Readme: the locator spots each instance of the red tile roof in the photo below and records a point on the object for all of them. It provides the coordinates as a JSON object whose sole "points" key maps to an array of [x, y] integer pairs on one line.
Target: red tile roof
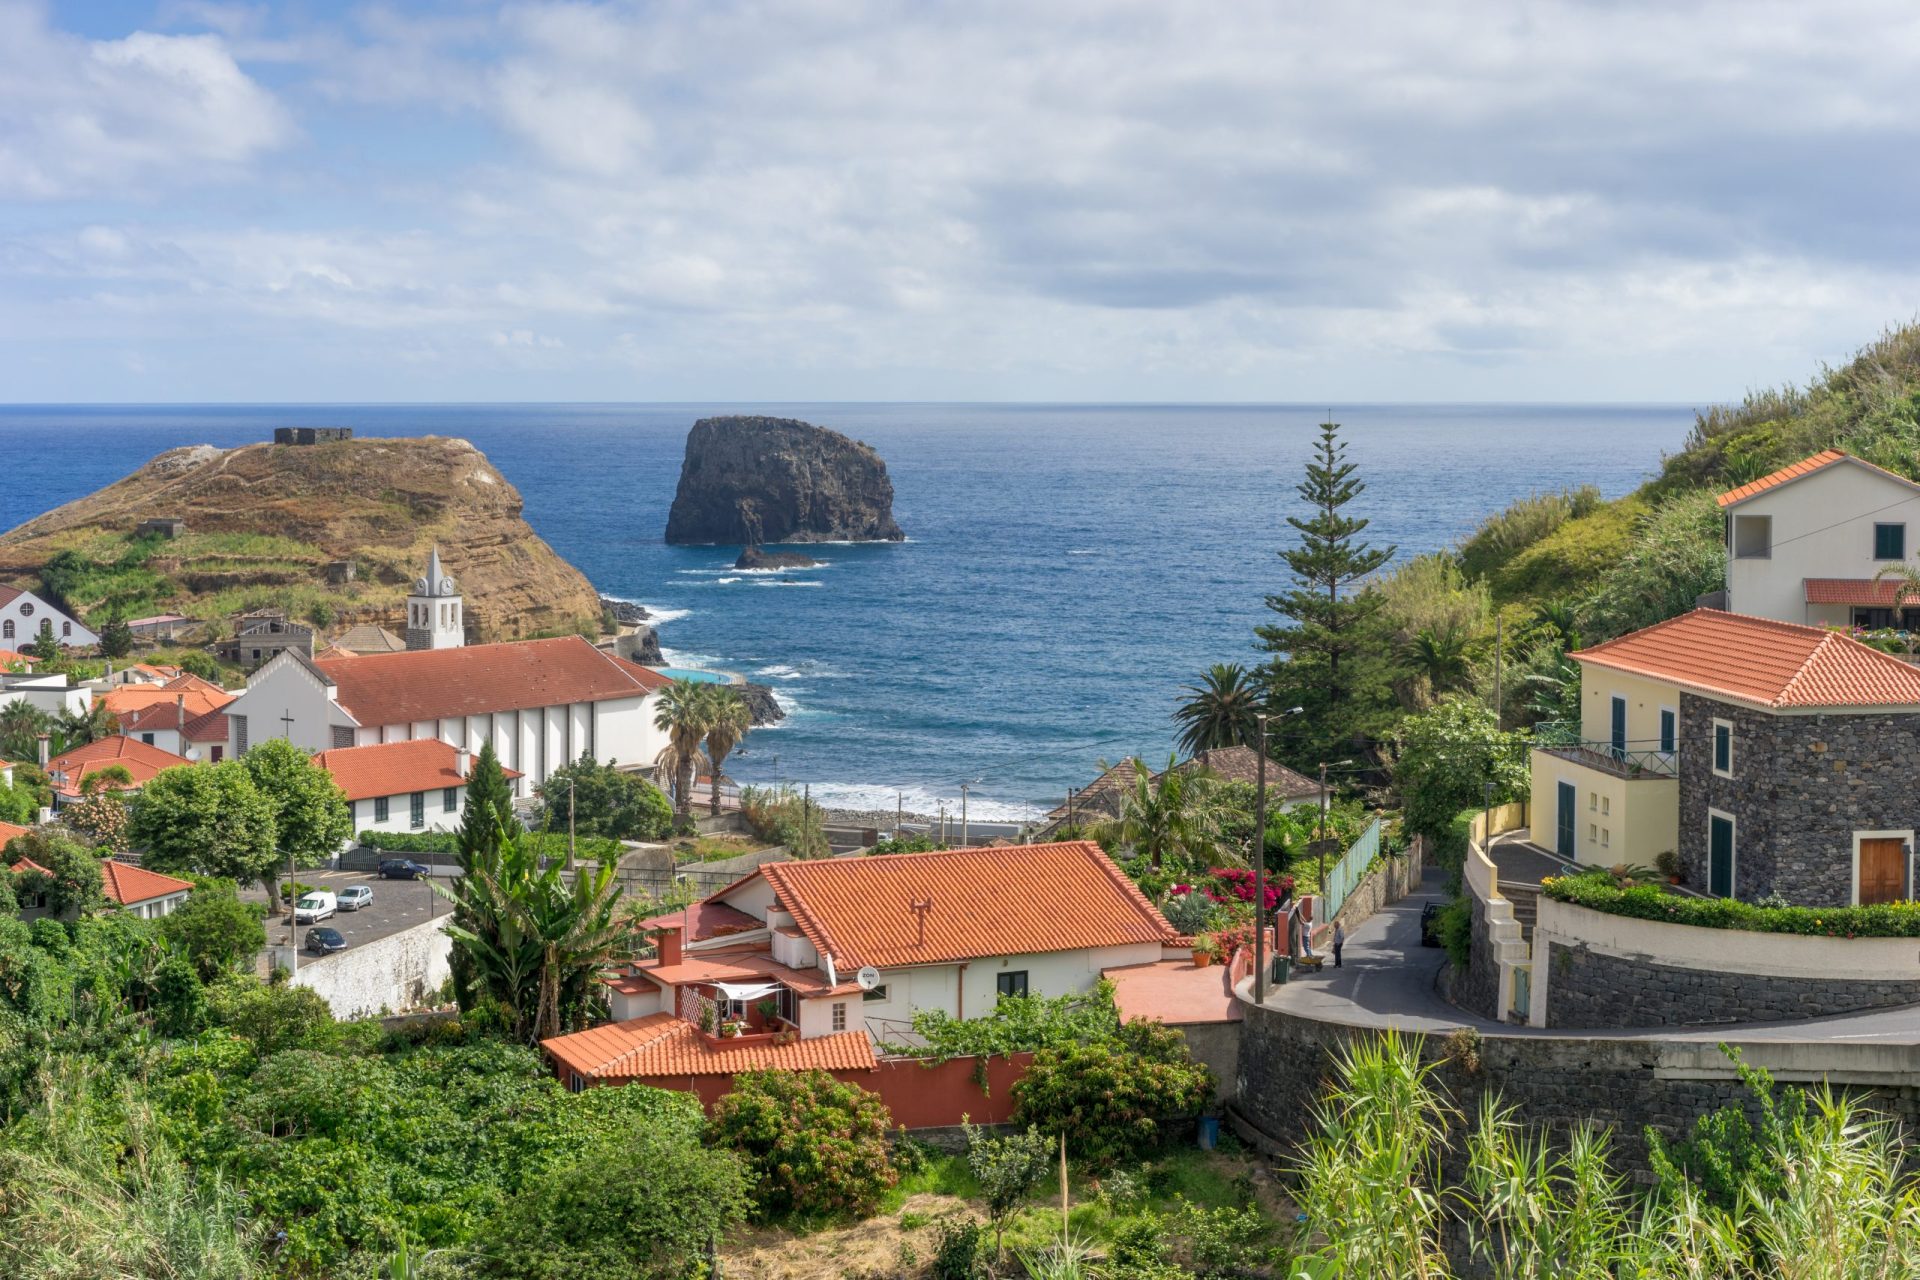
{"points": [[8, 658], [434, 684], [1861, 591], [748, 964], [1794, 471], [10, 831], [1174, 991], [1776, 665], [1012, 900], [129, 885], [704, 920], [1242, 764], [395, 768], [128, 700], [139, 760], [662, 1045]]}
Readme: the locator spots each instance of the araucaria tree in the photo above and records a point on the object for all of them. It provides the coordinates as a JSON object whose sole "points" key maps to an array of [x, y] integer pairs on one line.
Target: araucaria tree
{"points": [[1325, 645]]}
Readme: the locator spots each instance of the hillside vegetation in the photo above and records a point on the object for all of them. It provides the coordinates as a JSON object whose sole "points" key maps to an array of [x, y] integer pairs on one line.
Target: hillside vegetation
{"points": [[265, 521]]}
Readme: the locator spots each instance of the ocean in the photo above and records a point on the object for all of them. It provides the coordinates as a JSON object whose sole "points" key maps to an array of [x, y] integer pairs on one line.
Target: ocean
{"points": [[1068, 568]]}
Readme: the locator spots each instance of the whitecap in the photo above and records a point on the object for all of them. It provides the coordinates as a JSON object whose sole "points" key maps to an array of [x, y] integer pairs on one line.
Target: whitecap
{"points": [[784, 582], [726, 581], [921, 799], [1082, 551], [778, 671], [660, 617]]}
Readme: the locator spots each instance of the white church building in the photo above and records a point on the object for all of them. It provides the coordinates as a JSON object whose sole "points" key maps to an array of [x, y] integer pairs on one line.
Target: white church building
{"points": [[541, 703], [24, 614]]}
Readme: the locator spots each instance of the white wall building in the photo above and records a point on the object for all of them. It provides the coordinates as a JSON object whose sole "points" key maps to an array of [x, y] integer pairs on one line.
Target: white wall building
{"points": [[541, 703], [23, 613], [1804, 544], [419, 785]]}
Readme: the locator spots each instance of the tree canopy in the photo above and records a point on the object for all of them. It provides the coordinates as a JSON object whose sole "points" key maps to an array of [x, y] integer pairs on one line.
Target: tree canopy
{"points": [[606, 802], [311, 817], [208, 819]]}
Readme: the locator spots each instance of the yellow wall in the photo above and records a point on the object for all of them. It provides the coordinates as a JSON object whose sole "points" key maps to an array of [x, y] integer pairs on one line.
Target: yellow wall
{"points": [[1615, 819], [1645, 697]]}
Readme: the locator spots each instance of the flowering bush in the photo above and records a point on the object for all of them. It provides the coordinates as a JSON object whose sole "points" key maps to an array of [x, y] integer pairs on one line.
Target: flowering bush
{"points": [[1109, 1099], [1235, 884], [1649, 902]]}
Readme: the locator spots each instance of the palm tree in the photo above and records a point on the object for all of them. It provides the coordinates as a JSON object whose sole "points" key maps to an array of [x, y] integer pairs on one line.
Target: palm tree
{"points": [[1222, 710], [729, 723], [1172, 815], [683, 715], [1439, 657], [20, 728], [1906, 591], [78, 728], [1560, 617]]}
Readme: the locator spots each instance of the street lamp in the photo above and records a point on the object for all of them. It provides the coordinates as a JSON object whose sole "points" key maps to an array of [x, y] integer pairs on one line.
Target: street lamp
{"points": [[1260, 861]]}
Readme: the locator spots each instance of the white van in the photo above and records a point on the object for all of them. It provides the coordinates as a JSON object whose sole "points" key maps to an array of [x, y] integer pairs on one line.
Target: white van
{"points": [[317, 905]]}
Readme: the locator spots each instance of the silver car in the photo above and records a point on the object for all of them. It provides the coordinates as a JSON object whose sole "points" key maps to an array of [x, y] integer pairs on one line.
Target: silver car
{"points": [[355, 896]]}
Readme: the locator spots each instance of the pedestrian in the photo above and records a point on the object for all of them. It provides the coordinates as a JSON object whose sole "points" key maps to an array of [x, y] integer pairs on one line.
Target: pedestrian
{"points": [[1339, 940]]}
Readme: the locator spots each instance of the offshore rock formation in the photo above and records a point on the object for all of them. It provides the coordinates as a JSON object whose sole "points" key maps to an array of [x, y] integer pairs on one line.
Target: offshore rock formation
{"points": [[753, 480], [761, 558], [264, 523]]}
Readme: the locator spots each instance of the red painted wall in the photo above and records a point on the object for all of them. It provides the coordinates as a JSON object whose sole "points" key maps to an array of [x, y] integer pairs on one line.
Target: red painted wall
{"points": [[920, 1096]]}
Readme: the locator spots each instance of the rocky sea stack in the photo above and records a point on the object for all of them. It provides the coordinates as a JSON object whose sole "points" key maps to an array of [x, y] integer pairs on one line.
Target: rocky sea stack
{"points": [[752, 480], [761, 558]]}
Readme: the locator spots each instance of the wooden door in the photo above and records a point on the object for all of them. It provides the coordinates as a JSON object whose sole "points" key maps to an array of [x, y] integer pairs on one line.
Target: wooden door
{"points": [[1883, 870]]}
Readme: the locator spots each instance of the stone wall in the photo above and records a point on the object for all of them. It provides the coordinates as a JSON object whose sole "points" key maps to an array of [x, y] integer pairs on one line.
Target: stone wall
{"points": [[1592, 989], [392, 974], [1391, 880], [1802, 786], [1218, 1045], [1476, 988]]}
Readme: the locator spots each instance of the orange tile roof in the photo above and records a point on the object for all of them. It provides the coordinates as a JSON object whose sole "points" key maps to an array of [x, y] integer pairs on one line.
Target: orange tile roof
{"points": [[1794, 471], [139, 760], [746, 964], [1173, 991], [127, 884], [435, 684], [10, 831], [704, 920], [1861, 591], [1776, 665], [142, 699], [8, 657], [395, 768], [662, 1045], [1012, 900]]}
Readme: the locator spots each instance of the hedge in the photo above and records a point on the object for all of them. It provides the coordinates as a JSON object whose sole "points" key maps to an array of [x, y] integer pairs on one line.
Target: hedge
{"points": [[593, 848], [1649, 902]]}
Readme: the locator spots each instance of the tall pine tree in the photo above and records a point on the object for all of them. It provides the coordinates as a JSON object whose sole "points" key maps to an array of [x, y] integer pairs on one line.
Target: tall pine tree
{"points": [[486, 821], [1329, 644]]}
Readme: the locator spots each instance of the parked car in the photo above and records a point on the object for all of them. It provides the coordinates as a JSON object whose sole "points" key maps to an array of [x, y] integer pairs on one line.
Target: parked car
{"points": [[356, 896], [401, 869], [1430, 925], [326, 941], [317, 905]]}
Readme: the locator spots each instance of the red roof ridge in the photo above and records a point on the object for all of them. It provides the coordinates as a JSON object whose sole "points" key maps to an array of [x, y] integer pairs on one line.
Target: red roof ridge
{"points": [[1796, 470]]}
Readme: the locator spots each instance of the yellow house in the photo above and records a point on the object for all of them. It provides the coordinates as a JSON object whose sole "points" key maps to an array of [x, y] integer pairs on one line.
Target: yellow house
{"points": [[1612, 794]]}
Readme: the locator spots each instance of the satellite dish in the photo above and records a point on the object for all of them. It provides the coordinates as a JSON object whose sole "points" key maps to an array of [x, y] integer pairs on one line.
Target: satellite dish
{"points": [[868, 977]]}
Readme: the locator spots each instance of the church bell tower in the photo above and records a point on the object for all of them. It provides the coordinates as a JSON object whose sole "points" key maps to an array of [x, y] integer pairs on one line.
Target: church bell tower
{"points": [[434, 610]]}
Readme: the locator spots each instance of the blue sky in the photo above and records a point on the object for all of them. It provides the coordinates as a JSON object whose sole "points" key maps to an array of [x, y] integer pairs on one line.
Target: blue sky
{"points": [[987, 200]]}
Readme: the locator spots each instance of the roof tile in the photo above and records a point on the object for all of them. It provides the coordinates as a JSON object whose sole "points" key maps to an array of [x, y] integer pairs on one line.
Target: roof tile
{"points": [[661, 1044], [395, 768], [127, 884], [437, 684], [1795, 470], [139, 760]]}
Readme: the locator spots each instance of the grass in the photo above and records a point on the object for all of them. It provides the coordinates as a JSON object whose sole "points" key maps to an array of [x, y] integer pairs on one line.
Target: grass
{"points": [[714, 848]]}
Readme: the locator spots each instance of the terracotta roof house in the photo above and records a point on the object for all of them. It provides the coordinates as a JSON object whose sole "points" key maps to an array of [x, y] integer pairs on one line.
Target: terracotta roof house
{"points": [[1805, 543], [68, 771], [1098, 801], [1770, 756], [1285, 787], [146, 894], [197, 730], [542, 703], [416, 785]]}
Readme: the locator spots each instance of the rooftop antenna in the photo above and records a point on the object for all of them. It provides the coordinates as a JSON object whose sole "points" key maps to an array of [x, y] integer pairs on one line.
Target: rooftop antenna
{"points": [[921, 908]]}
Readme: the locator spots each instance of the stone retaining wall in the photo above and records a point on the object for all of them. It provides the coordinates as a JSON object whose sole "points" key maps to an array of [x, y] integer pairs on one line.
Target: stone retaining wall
{"points": [[1592, 989], [388, 975]]}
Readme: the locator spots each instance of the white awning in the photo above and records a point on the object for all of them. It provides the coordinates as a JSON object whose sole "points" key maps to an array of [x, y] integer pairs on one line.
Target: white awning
{"points": [[746, 990]]}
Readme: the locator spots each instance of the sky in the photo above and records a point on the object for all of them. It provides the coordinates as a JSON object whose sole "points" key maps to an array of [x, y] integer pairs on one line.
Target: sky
{"points": [[1093, 200]]}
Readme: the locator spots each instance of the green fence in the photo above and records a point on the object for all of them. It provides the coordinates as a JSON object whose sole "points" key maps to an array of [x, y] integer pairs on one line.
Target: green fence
{"points": [[1345, 875]]}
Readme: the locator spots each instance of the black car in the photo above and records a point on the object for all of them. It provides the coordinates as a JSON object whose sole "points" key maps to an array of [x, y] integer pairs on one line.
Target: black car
{"points": [[401, 869], [326, 941], [1430, 925]]}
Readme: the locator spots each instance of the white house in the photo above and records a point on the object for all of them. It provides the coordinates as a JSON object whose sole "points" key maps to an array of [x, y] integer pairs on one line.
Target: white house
{"points": [[140, 892], [54, 695], [541, 703], [1804, 543], [417, 785], [953, 930], [22, 614]]}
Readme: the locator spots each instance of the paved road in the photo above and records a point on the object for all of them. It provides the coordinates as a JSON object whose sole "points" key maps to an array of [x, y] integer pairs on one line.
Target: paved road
{"points": [[397, 905], [1389, 981]]}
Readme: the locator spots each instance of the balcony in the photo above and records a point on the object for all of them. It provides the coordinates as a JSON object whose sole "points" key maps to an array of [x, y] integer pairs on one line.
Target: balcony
{"points": [[1631, 760]]}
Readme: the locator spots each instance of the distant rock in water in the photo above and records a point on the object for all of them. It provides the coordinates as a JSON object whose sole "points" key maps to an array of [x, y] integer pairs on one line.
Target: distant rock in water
{"points": [[761, 704], [760, 558], [623, 610], [752, 480]]}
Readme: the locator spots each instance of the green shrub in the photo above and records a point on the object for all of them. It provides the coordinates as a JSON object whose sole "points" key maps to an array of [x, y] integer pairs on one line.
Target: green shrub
{"points": [[1525, 521], [547, 843], [1455, 927], [815, 1147], [1597, 890], [1110, 1098], [1224, 1242], [1581, 550], [959, 1251], [1017, 1024], [1008, 1169]]}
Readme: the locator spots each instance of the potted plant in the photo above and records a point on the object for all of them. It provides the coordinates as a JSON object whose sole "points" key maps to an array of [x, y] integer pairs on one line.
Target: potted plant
{"points": [[706, 1018], [1668, 864], [1205, 948], [769, 1011], [728, 1030]]}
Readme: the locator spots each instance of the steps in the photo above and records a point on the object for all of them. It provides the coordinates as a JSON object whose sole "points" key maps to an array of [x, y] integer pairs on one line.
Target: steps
{"points": [[1526, 904]]}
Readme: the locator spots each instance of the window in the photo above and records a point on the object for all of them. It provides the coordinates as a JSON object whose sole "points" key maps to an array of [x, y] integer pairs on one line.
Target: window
{"points": [[1669, 730], [1606, 806], [66, 628], [1593, 802], [417, 809], [6, 628], [1606, 837], [147, 738], [840, 1015], [219, 753], [1889, 542], [380, 808], [1723, 748], [1593, 832], [574, 1083], [1012, 983], [450, 800], [876, 994], [239, 724], [26, 609], [1752, 537]]}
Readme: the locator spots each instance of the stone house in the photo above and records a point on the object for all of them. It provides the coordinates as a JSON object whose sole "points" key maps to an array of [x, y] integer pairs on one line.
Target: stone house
{"points": [[1772, 758]]}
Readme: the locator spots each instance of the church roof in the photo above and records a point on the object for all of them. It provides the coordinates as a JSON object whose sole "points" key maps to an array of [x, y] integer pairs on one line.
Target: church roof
{"points": [[435, 684]]}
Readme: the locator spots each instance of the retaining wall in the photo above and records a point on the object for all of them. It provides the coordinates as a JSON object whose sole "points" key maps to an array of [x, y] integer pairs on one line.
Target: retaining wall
{"points": [[1594, 969], [919, 1095], [393, 974]]}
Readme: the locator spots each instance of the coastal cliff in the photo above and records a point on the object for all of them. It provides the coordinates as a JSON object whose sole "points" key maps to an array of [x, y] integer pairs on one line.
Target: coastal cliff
{"points": [[753, 480], [334, 530]]}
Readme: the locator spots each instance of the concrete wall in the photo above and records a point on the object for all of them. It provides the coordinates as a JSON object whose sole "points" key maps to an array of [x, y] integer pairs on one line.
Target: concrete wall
{"points": [[1822, 528], [1803, 787], [1593, 969], [1499, 950], [394, 973], [1615, 819], [1645, 698]]}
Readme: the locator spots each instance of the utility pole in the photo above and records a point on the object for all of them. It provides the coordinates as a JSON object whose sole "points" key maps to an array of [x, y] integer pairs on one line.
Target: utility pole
{"points": [[570, 823], [1499, 637], [963, 815], [293, 918], [1260, 871], [899, 813]]}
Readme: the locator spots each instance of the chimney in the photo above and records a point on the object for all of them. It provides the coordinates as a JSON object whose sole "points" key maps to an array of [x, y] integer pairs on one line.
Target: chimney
{"points": [[180, 714], [45, 738], [668, 944], [463, 762]]}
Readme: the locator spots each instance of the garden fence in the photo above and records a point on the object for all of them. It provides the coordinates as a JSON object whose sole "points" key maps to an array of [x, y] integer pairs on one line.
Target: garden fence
{"points": [[1345, 875]]}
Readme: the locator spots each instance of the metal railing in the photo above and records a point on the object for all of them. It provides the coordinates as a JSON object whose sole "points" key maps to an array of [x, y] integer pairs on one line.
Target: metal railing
{"points": [[1635, 758], [1344, 876]]}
